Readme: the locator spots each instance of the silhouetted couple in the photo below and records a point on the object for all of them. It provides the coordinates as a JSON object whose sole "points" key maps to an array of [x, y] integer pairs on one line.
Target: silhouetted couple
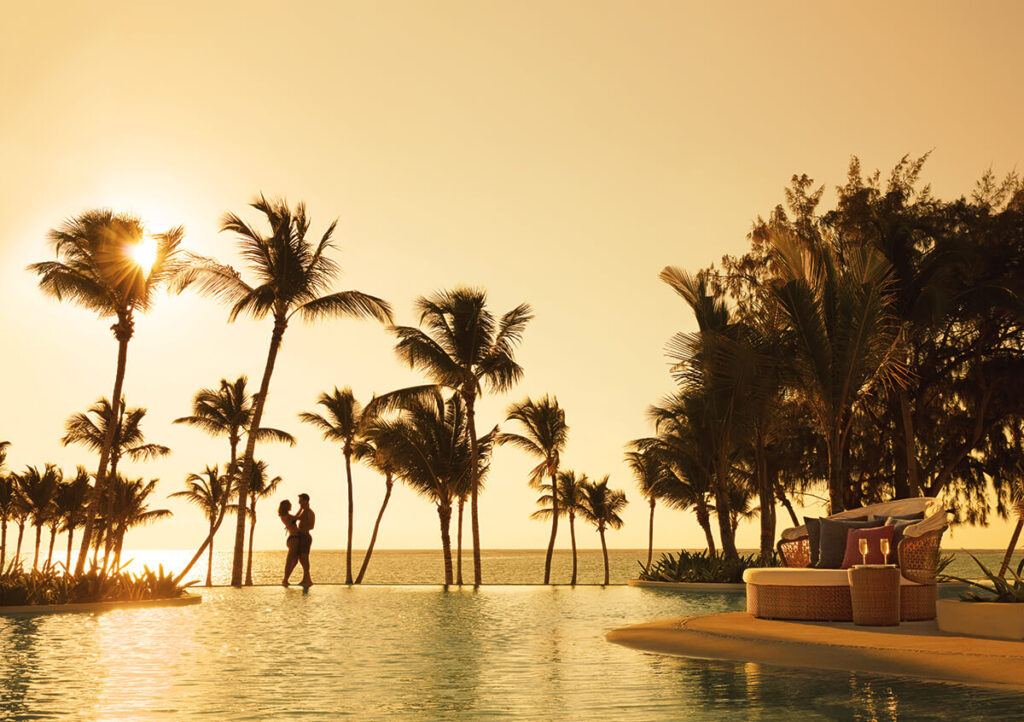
{"points": [[300, 540]]}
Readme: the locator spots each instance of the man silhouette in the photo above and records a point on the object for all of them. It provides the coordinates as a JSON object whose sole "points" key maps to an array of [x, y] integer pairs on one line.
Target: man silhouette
{"points": [[305, 520]]}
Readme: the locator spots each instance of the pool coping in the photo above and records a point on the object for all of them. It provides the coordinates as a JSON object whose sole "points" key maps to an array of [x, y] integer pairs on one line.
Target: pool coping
{"points": [[912, 649], [735, 587], [185, 599]]}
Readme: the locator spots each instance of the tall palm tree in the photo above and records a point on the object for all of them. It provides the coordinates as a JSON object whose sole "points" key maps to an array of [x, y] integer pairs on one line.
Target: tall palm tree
{"points": [[106, 263], [544, 437], [650, 475], [293, 276], [8, 501], [845, 338], [130, 509], [260, 487], [209, 490], [601, 506], [341, 422], [463, 347], [570, 492], [373, 451], [73, 500], [21, 512], [227, 411], [39, 488]]}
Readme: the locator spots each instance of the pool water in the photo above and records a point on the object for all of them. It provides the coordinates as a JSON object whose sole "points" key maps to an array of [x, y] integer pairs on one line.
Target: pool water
{"points": [[421, 652]]}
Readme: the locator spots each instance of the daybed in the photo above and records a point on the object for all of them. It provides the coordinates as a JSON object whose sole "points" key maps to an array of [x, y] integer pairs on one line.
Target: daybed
{"points": [[799, 592]]}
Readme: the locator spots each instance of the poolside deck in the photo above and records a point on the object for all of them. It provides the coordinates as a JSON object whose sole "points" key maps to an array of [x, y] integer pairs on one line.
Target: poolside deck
{"points": [[914, 649]]}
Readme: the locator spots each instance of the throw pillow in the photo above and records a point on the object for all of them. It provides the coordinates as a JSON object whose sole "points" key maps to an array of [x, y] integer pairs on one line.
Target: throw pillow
{"points": [[832, 542], [874, 536], [899, 526]]}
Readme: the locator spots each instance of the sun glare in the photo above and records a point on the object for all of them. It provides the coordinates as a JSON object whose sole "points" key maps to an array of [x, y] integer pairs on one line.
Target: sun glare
{"points": [[144, 253]]}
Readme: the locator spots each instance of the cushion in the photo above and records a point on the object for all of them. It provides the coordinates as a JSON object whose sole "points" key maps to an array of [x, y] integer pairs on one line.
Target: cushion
{"points": [[874, 536], [802, 577], [832, 544], [898, 527], [917, 516]]}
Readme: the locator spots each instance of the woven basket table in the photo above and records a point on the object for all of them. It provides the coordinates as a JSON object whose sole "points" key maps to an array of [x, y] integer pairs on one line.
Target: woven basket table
{"points": [[875, 594]]}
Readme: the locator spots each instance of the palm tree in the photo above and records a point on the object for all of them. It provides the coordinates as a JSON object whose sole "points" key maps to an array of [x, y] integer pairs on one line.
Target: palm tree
{"points": [[342, 422], [649, 474], [130, 509], [20, 514], [102, 265], [544, 437], [260, 487], [373, 452], [844, 336], [8, 502], [463, 347], [227, 411], [601, 506], [73, 499], [293, 276], [210, 491], [570, 491], [39, 488]]}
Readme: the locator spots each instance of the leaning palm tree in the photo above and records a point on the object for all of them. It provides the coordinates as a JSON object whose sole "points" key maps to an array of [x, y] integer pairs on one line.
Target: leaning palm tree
{"points": [[650, 475], [570, 491], [209, 490], [227, 411], [130, 509], [342, 423], [463, 347], [260, 487], [39, 489], [601, 506], [373, 451], [293, 275], [73, 501], [106, 263], [544, 436]]}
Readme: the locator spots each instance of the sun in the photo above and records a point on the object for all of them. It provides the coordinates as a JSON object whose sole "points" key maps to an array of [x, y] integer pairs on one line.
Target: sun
{"points": [[144, 253]]}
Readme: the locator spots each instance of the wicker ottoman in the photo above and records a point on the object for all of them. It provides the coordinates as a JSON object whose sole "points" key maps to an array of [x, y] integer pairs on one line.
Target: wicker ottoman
{"points": [[875, 594]]}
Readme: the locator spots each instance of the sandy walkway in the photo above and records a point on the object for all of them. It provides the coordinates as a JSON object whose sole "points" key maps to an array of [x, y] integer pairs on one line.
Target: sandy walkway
{"points": [[915, 649]]}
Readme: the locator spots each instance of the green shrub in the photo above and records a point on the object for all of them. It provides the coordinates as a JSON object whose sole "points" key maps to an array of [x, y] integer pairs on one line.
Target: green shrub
{"points": [[702, 567], [19, 587]]}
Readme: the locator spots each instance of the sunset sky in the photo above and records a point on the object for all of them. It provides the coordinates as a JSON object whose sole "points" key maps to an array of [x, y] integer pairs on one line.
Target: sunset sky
{"points": [[560, 153]]}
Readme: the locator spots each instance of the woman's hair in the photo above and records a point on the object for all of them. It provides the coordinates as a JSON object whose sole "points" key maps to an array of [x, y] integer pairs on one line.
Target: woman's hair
{"points": [[284, 507]]}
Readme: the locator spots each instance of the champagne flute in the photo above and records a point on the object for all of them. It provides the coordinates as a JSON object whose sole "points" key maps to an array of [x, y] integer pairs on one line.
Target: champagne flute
{"points": [[862, 545], [884, 544]]}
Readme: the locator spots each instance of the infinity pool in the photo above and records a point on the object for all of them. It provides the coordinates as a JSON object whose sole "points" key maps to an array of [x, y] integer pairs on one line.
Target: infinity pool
{"points": [[420, 652]]}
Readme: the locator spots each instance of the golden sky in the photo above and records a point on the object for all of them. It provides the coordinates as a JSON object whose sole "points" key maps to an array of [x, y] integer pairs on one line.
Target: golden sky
{"points": [[559, 153]]}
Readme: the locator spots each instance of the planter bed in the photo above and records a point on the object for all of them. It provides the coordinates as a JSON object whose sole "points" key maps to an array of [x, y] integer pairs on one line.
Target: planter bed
{"points": [[182, 601], [691, 586], [993, 620]]}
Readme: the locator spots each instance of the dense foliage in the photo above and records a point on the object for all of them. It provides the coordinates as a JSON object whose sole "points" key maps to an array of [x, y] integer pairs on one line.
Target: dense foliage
{"points": [[704, 567], [995, 587], [21, 587]]}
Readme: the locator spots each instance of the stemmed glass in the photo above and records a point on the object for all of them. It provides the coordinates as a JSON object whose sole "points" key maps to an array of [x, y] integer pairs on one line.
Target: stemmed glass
{"points": [[884, 544], [862, 545]]}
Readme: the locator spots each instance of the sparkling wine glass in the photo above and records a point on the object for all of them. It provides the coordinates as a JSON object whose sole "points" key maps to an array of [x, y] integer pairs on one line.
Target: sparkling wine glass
{"points": [[862, 545], [884, 544]]}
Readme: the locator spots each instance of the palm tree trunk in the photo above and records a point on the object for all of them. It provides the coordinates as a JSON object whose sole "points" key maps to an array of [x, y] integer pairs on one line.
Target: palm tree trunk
{"points": [[351, 512], [835, 476], [49, 551], [572, 536], [474, 478], [3, 544], [444, 514], [723, 508], [280, 324], [554, 527], [252, 535], [115, 456], [71, 536], [119, 546], [766, 499], [704, 519], [209, 561], [202, 547], [650, 535], [781, 494], [1013, 539], [21, 533], [35, 557], [388, 483], [604, 550], [462, 504], [123, 334], [907, 422]]}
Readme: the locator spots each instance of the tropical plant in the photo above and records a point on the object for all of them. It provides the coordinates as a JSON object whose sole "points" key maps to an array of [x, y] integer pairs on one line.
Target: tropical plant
{"points": [[227, 411], [38, 489], [50, 586], [601, 506], [72, 502], [106, 263], [997, 589], [463, 347], [650, 475], [8, 501], [570, 491], [341, 422], [129, 508], [373, 451], [703, 567], [293, 276], [544, 437], [260, 487], [209, 490], [89, 430]]}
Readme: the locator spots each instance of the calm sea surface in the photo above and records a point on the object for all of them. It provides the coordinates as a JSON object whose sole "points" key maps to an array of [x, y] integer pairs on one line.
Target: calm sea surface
{"points": [[525, 566], [418, 652]]}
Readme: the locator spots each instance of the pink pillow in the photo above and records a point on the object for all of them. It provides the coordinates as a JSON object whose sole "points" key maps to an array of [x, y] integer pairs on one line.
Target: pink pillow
{"points": [[874, 535]]}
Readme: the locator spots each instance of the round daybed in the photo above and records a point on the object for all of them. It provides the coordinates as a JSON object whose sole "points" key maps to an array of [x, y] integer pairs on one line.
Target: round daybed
{"points": [[802, 593]]}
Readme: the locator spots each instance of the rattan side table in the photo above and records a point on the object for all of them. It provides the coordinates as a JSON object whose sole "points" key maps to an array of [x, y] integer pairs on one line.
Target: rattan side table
{"points": [[875, 594]]}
